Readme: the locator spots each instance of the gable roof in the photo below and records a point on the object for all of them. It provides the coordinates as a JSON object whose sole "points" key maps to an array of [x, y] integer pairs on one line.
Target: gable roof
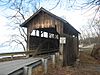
{"points": [[24, 24]]}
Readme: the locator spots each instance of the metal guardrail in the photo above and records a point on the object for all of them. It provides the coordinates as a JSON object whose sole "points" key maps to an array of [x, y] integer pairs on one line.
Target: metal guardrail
{"points": [[26, 69], [23, 67], [18, 67]]}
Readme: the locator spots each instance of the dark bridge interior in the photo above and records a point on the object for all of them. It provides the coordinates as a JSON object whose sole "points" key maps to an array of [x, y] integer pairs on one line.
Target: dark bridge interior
{"points": [[44, 42]]}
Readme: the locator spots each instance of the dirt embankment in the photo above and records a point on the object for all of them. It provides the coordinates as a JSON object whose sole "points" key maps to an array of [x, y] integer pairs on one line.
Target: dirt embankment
{"points": [[87, 66]]}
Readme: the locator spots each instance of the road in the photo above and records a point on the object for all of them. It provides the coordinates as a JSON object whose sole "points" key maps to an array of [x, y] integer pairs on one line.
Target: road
{"points": [[11, 66]]}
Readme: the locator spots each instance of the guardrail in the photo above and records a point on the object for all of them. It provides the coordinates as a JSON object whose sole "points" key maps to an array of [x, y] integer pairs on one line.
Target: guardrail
{"points": [[31, 52], [23, 66], [27, 68]]}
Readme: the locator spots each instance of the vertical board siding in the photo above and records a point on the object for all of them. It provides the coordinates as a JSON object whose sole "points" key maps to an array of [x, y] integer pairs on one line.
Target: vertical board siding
{"points": [[70, 50], [43, 20]]}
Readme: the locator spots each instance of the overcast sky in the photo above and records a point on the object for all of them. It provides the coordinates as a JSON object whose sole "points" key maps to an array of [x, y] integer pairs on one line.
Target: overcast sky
{"points": [[75, 17]]}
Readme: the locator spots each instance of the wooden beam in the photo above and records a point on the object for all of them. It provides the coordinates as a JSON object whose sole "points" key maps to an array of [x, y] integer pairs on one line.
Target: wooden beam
{"points": [[39, 33], [48, 34], [28, 38], [35, 32], [77, 45]]}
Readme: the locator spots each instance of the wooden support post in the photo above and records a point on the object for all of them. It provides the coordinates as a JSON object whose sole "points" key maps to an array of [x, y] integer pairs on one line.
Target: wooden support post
{"points": [[48, 35], [77, 46], [39, 33], [28, 38], [35, 32], [62, 56], [43, 34], [54, 35], [61, 49]]}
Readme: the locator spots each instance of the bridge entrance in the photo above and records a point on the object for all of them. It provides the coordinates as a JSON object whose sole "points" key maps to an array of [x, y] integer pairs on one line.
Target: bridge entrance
{"points": [[44, 30]]}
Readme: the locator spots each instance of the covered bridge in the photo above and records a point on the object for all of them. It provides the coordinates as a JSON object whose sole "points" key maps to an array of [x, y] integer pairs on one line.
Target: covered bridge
{"points": [[44, 30]]}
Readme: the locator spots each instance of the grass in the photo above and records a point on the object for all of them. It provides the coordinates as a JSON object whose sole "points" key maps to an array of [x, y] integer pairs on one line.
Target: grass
{"points": [[87, 59]]}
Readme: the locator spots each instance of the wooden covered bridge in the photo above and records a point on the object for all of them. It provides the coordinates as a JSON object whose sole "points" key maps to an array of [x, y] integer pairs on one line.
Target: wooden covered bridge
{"points": [[44, 31]]}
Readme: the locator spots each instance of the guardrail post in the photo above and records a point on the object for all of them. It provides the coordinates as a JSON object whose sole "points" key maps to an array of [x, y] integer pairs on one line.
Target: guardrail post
{"points": [[53, 59], [12, 56], [45, 65], [29, 70], [25, 71]]}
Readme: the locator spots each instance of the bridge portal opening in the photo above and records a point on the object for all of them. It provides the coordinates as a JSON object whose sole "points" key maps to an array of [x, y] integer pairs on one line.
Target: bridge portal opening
{"points": [[44, 30], [45, 40]]}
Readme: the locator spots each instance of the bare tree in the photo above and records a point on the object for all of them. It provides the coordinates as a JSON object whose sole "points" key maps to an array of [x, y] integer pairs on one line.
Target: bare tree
{"points": [[92, 32], [22, 10], [25, 8], [93, 5], [92, 29]]}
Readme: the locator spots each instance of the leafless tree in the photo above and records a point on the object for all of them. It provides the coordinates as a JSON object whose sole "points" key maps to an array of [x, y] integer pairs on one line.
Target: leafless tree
{"points": [[22, 10], [25, 8], [91, 31], [93, 5]]}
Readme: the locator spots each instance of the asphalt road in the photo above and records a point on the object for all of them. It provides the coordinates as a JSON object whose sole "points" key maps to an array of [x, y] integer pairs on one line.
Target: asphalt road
{"points": [[11, 66]]}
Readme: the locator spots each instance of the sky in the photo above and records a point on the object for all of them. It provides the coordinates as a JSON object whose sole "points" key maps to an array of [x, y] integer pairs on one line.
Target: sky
{"points": [[3, 28], [75, 17]]}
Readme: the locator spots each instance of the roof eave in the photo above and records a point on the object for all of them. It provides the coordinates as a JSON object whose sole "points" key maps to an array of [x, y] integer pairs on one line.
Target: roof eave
{"points": [[24, 24]]}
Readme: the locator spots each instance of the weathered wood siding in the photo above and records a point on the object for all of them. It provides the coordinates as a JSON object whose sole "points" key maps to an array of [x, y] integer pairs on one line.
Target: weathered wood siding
{"points": [[44, 20], [70, 51]]}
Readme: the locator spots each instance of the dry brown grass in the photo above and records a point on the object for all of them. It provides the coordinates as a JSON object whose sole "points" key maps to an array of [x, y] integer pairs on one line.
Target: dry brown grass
{"points": [[87, 59], [38, 70], [87, 66]]}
